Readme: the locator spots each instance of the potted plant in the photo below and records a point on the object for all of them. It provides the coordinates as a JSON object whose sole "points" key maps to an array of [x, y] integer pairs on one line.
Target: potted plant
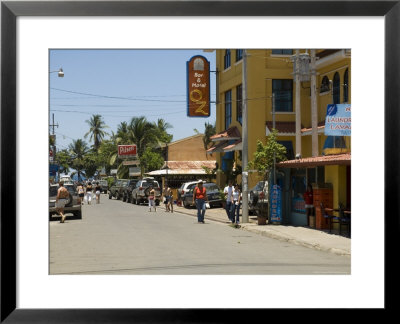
{"points": [[264, 160]]}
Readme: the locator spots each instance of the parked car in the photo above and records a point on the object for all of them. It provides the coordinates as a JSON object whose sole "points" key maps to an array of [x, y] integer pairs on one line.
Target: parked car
{"points": [[104, 185], [66, 179], [141, 192], [73, 205], [117, 188], [127, 193], [213, 195], [258, 197], [184, 188]]}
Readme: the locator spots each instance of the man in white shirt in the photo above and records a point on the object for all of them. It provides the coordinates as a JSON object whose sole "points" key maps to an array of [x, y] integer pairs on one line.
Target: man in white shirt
{"points": [[229, 203]]}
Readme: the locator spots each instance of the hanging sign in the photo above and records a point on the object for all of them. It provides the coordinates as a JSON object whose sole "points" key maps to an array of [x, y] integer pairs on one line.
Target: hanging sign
{"points": [[127, 151], [338, 120], [198, 87], [276, 204]]}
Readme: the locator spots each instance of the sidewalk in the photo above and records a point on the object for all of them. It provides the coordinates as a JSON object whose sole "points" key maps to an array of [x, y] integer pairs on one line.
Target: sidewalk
{"points": [[308, 237]]}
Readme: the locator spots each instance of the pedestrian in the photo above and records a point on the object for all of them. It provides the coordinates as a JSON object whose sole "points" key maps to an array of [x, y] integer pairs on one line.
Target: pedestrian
{"points": [[236, 204], [81, 192], [167, 194], [152, 198], [228, 190], [89, 190], [200, 198], [309, 203], [165, 197], [97, 190], [61, 200]]}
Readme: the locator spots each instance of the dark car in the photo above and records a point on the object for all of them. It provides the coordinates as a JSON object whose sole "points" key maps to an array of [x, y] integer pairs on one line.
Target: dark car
{"points": [[117, 188], [73, 205], [104, 185], [258, 197], [212, 191], [127, 190]]}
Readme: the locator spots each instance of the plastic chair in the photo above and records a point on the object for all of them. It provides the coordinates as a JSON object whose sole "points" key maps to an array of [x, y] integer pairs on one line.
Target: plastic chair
{"points": [[344, 220], [327, 216]]}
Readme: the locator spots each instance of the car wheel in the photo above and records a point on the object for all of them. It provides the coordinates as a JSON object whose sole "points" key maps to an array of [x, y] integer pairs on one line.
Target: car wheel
{"points": [[123, 198], [78, 214], [69, 201], [109, 195], [185, 204]]}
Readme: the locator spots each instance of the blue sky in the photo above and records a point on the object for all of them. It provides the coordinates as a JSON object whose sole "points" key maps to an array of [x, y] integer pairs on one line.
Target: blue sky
{"points": [[150, 83]]}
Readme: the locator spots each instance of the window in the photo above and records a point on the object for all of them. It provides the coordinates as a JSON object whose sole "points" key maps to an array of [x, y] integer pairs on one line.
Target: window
{"points": [[336, 88], [283, 91], [227, 59], [324, 84], [239, 104], [228, 108], [239, 55], [346, 86], [282, 52]]}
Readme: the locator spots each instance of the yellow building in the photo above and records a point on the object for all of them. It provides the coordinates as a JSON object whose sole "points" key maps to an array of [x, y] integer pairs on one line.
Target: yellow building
{"points": [[270, 74]]}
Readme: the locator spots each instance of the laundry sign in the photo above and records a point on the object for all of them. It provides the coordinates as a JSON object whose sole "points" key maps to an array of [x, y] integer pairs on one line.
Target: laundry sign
{"points": [[338, 120]]}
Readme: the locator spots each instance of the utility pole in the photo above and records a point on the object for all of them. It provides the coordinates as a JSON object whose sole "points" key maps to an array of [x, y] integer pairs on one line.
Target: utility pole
{"points": [[314, 111], [54, 145], [245, 200], [298, 106]]}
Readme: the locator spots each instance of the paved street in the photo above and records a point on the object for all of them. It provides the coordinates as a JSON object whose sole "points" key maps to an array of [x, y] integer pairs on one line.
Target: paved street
{"points": [[120, 238]]}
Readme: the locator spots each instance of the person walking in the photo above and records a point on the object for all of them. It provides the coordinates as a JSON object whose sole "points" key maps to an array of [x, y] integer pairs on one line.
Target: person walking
{"points": [[152, 195], [228, 190], [200, 199], [61, 200], [168, 197], [97, 190], [165, 197], [309, 203], [236, 204], [81, 192], [89, 189]]}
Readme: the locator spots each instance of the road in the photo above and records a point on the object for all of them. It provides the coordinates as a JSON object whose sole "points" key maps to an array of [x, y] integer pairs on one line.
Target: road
{"points": [[115, 237]]}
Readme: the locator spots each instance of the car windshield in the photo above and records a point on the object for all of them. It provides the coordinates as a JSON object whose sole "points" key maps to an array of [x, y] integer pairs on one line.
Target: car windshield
{"points": [[211, 187], [148, 183]]}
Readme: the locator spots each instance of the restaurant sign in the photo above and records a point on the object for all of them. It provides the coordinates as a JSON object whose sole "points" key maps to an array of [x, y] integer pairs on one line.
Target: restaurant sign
{"points": [[338, 120], [127, 151], [198, 87]]}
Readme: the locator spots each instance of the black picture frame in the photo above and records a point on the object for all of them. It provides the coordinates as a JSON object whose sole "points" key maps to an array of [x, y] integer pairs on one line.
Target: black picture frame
{"points": [[10, 10]]}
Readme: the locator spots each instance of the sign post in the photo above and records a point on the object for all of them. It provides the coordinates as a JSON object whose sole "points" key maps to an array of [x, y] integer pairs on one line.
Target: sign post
{"points": [[338, 120], [127, 151], [198, 87], [276, 204]]}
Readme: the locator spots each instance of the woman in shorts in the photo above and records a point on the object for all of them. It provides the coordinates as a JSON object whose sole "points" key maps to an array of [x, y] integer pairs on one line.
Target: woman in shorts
{"points": [[152, 199], [97, 190], [81, 192]]}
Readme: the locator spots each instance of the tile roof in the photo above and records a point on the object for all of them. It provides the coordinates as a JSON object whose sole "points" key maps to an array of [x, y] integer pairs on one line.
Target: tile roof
{"points": [[228, 134], [282, 127], [338, 159]]}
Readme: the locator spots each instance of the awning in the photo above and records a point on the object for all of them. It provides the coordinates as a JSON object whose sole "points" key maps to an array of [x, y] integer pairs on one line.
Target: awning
{"points": [[231, 133], [237, 146], [218, 147], [184, 167], [338, 159]]}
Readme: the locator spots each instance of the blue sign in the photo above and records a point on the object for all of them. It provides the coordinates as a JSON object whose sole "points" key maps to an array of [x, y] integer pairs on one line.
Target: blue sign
{"points": [[338, 120], [276, 204]]}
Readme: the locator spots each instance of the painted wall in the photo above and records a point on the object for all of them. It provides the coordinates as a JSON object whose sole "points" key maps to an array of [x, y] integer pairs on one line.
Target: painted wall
{"points": [[188, 149]]}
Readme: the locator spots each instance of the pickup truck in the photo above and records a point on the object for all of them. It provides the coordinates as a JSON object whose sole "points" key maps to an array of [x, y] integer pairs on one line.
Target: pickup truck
{"points": [[117, 189], [141, 192], [258, 198], [127, 193]]}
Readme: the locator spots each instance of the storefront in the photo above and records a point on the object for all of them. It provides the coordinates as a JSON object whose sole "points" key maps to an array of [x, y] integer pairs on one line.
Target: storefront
{"points": [[330, 177]]}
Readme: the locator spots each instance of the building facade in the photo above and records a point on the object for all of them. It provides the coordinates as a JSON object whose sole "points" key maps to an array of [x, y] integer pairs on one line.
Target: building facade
{"points": [[280, 85]]}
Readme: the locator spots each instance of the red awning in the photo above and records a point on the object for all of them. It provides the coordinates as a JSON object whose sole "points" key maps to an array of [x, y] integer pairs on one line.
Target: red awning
{"points": [[338, 159]]}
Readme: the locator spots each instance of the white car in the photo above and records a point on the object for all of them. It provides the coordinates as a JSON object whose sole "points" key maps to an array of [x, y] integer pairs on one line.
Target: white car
{"points": [[66, 179], [185, 187]]}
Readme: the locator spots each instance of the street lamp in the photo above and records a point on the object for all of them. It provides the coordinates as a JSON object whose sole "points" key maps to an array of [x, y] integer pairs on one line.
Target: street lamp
{"points": [[60, 73]]}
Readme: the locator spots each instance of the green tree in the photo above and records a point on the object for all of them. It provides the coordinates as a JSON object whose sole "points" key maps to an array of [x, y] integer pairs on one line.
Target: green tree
{"points": [[209, 130], [151, 160], [77, 150], [96, 130], [64, 160], [265, 155]]}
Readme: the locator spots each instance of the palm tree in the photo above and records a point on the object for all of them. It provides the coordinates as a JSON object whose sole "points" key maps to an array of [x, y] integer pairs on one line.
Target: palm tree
{"points": [[78, 149], [142, 133], [209, 130], [96, 131], [162, 126]]}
